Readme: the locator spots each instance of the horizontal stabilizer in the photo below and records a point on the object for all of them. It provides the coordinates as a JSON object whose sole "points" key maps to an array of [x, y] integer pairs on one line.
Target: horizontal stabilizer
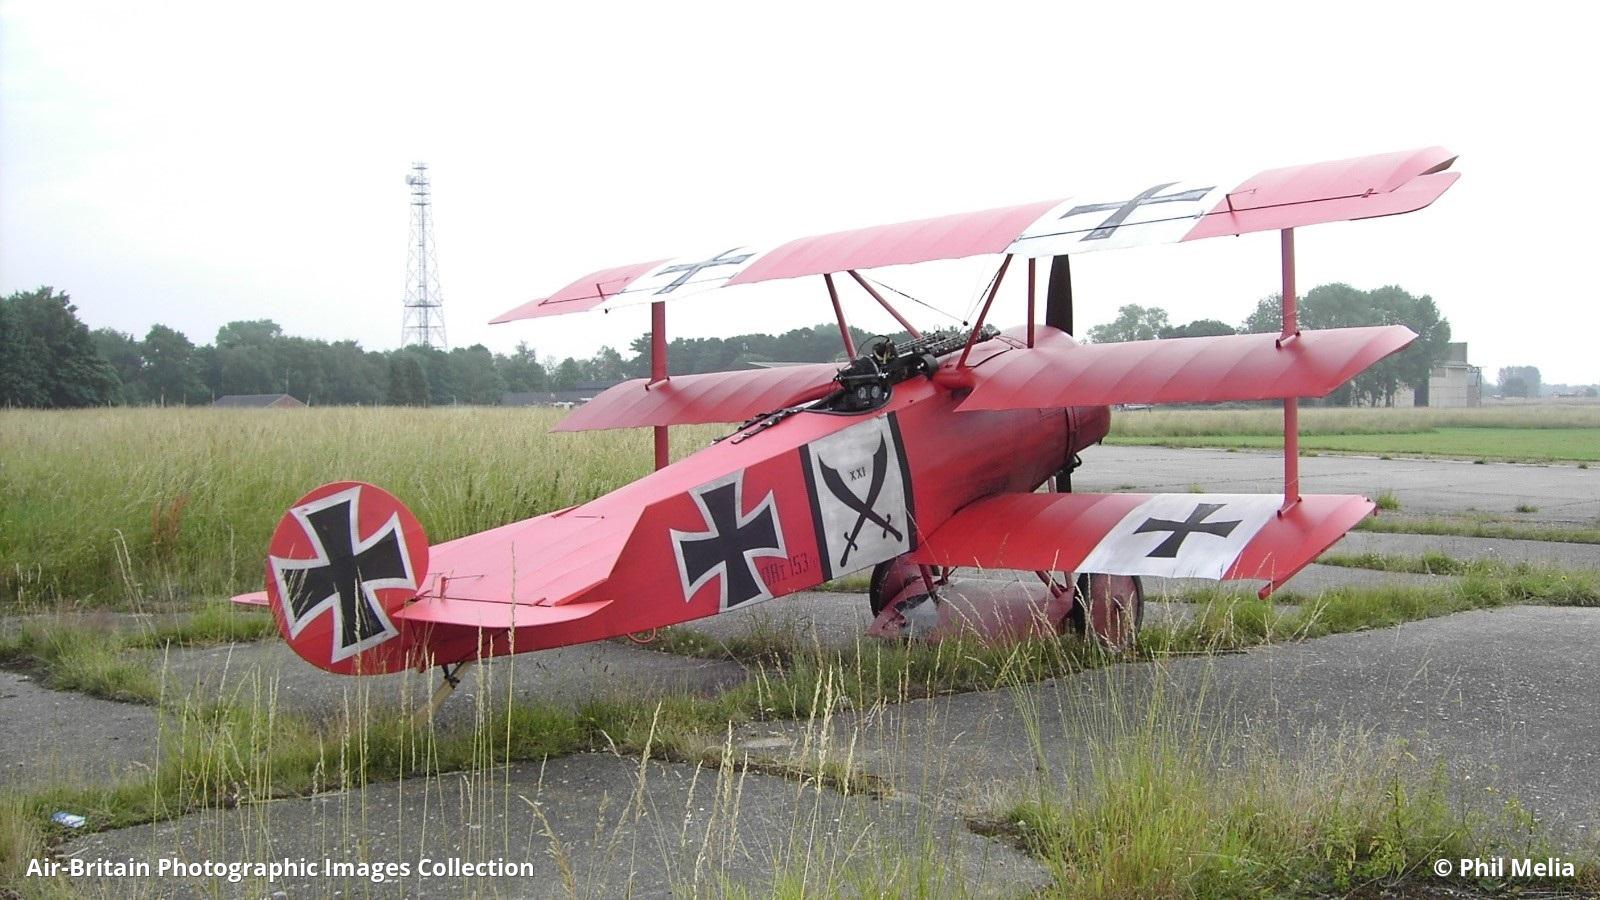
{"points": [[700, 399], [1218, 536], [257, 599], [1182, 370], [490, 615]]}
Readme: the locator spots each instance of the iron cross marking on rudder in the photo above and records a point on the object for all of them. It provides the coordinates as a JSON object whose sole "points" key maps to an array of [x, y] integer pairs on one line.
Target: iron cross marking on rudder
{"points": [[1195, 523], [689, 270], [863, 507], [1121, 210], [729, 547], [340, 573]]}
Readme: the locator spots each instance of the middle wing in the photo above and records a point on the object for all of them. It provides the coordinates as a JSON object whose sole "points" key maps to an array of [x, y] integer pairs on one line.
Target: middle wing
{"points": [[1219, 536], [1059, 372], [701, 399]]}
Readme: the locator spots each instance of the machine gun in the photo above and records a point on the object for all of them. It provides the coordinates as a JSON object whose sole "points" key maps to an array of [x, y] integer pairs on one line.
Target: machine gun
{"points": [[867, 379]]}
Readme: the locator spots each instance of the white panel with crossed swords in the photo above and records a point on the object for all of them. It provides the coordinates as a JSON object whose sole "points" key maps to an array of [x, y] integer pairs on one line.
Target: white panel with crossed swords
{"points": [[861, 495]]}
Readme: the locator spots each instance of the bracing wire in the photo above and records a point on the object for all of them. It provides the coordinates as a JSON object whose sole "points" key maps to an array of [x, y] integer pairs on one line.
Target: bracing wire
{"points": [[889, 287], [987, 287]]}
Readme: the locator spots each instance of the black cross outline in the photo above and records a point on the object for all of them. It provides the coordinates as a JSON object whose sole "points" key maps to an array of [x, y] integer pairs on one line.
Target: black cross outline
{"points": [[730, 542], [344, 575], [863, 508], [1124, 208], [689, 270], [1195, 523]]}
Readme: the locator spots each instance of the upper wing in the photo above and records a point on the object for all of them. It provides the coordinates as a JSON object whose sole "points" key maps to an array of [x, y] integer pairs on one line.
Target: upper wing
{"points": [[1059, 372], [1146, 213], [698, 399], [1221, 536]]}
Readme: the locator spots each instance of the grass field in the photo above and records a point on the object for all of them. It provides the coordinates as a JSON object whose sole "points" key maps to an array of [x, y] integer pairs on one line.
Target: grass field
{"points": [[1344, 420], [1541, 433], [149, 508], [1518, 444], [136, 508]]}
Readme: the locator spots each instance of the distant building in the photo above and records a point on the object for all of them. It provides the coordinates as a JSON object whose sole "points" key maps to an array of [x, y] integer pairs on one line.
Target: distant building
{"points": [[1454, 381], [583, 393], [258, 401]]}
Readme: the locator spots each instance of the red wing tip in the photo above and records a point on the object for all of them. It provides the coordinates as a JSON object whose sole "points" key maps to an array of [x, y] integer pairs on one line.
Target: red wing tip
{"points": [[528, 310]]}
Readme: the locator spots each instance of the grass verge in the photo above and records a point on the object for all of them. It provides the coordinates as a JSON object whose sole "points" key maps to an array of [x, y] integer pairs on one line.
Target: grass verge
{"points": [[1231, 620], [1158, 817], [1480, 527], [1434, 562], [1538, 445], [1333, 420], [95, 656]]}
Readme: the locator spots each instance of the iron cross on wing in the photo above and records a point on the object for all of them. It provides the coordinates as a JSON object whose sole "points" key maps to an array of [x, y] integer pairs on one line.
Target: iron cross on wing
{"points": [[1194, 523], [1120, 210], [686, 271]]}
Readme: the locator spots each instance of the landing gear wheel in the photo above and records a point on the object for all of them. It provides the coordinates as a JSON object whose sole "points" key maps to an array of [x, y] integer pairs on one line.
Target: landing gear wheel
{"points": [[1110, 607], [888, 578], [891, 576]]}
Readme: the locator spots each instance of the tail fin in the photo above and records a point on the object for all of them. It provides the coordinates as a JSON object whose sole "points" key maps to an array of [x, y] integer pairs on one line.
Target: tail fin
{"points": [[342, 561]]}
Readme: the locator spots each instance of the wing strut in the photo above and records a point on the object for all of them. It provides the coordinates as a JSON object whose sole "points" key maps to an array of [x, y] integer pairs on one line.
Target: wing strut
{"points": [[977, 327], [1291, 405], [838, 314], [910, 329], [658, 372], [1031, 269]]}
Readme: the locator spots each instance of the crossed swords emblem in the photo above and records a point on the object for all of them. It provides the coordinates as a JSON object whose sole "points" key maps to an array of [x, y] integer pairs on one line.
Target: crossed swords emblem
{"points": [[863, 507]]}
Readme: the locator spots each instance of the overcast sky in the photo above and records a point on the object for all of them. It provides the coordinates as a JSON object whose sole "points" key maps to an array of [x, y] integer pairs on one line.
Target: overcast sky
{"points": [[197, 163]]}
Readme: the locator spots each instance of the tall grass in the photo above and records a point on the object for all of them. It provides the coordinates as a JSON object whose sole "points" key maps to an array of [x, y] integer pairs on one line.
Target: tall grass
{"points": [[145, 507], [1343, 420], [240, 751], [1166, 805], [231, 758]]}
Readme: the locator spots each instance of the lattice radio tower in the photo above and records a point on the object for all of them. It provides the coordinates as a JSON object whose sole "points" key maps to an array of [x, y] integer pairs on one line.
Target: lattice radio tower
{"points": [[424, 316]]}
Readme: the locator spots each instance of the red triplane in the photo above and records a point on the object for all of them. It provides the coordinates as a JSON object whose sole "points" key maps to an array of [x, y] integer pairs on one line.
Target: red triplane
{"points": [[910, 459]]}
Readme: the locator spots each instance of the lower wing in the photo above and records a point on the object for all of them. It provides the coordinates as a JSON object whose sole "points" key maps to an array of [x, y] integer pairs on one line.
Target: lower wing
{"points": [[1218, 536]]}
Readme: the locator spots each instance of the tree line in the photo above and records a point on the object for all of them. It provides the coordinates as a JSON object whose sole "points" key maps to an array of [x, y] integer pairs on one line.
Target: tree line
{"points": [[1325, 306], [1520, 381], [49, 358]]}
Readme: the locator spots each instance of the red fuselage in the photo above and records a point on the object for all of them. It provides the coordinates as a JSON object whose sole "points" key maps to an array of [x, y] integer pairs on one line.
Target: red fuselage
{"points": [[764, 513]]}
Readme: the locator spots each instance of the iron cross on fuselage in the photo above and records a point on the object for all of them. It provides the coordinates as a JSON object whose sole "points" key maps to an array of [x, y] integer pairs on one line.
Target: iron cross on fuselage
{"points": [[689, 270], [732, 539], [1121, 210], [1196, 522]]}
